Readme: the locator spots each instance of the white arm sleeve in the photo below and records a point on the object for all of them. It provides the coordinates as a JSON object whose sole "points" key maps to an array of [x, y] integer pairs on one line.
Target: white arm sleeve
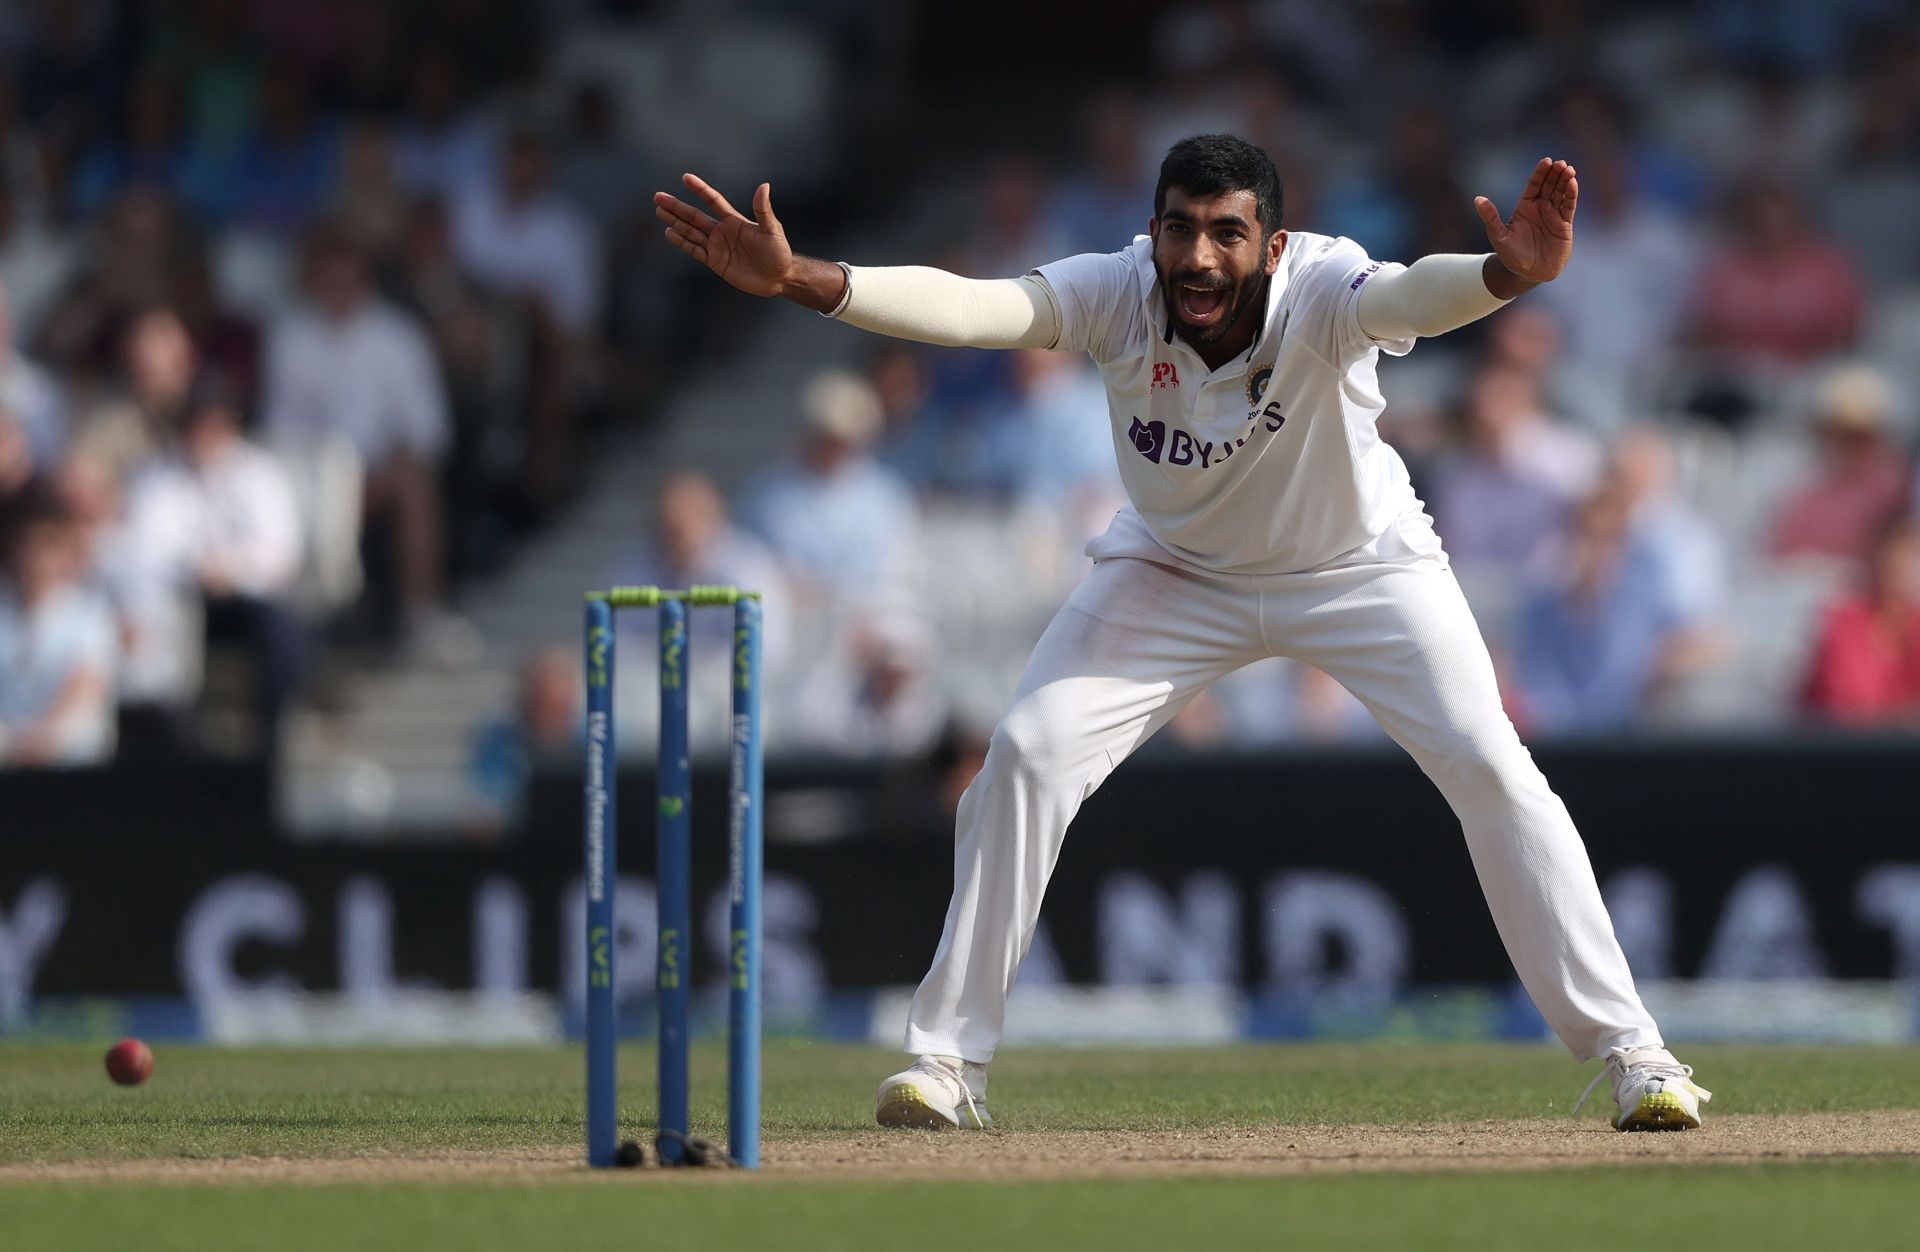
{"points": [[1432, 296], [932, 306]]}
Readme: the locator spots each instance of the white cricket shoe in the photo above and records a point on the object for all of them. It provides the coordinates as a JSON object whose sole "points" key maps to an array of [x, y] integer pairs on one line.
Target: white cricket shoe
{"points": [[1652, 1089], [936, 1093]]}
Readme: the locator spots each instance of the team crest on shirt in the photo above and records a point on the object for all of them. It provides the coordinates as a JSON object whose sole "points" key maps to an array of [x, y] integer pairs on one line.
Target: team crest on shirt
{"points": [[1257, 384]]}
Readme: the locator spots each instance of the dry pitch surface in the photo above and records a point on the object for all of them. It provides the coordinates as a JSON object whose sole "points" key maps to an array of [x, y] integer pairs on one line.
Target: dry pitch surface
{"points": [[1011, 1155]]}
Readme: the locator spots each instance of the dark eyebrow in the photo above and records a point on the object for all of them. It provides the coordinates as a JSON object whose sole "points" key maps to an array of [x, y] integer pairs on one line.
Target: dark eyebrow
{"points": [[1226, 221]]}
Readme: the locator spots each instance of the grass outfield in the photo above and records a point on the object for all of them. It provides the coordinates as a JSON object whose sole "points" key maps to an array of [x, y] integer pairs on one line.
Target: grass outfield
{"points": [[208, 1112]]}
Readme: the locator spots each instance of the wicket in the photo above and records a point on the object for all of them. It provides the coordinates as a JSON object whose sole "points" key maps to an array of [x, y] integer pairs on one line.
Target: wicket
{"points": [[674, 872]]}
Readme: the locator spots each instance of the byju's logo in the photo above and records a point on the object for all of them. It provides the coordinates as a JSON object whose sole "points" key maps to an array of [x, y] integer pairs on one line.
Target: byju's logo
{"points": [[1149, 439]]}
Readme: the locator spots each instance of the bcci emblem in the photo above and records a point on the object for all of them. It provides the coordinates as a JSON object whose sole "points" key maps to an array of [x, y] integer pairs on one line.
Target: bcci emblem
{"points": [[1257, 385]]}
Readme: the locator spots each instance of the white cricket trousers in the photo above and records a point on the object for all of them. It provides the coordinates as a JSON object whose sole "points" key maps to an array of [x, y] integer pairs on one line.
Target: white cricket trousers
{"points": [[1136, 641]]}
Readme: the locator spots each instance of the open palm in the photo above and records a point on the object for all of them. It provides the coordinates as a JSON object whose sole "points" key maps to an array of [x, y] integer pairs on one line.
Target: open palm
{"points": [[1537, 240], [749, 252]]}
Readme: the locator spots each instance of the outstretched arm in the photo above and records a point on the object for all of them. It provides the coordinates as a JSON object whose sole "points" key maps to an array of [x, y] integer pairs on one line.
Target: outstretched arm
{"points": [[1442, 292], [907, 302]]}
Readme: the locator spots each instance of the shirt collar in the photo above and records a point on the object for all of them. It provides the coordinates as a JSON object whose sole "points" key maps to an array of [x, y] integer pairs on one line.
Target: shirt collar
{"points": [[1156, 300]]}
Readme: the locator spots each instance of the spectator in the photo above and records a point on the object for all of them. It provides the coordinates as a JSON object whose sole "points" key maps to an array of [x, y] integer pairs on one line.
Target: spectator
{"points": [[1873, 198], [1859, 483], [132, 268], [1513, 477], [139, 565], [524, 242], [595, 169], [545, 728], [440, 146], [1622, 300], [159, 361], [1060, 440], [520, 238], [1102, 208], [345, 362], [370, 204], [477, 344], [694, 542], [36, 263], [1640, 467], [880, 697], [1599, 629], [226, 341], [56, 649], [1781, 295], [288, 168], [843, 525], [150, 151], [1011, 232], [32, 395], [219, 516], [16, 462], [1865, 669]]}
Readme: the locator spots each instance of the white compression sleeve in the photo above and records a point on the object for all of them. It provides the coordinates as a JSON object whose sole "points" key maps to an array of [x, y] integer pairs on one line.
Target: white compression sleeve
{"points": [[932, 306], [1434, 295]]}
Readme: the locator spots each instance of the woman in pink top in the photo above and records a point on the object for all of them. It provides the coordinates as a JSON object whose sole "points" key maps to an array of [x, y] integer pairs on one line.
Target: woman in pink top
{"points": [[1782, 294], [1866, 665]]}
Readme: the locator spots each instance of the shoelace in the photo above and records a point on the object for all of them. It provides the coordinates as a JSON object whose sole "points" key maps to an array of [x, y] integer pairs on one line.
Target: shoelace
{"points": [[959, 1077], [1619, 1067]]}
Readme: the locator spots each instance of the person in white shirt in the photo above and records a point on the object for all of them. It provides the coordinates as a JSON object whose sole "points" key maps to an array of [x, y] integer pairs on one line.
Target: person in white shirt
{"points": [[515, 234], [518, 238], [1266, 518], [345, 362], [218, 519], [57, 649]]}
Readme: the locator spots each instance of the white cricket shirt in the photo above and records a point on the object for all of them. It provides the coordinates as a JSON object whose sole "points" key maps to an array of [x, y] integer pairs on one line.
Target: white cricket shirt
{"points": [[1270, 464]]}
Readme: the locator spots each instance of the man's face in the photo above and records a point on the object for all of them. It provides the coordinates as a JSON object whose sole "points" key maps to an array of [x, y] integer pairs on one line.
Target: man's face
{"points": [[1212, 260]]}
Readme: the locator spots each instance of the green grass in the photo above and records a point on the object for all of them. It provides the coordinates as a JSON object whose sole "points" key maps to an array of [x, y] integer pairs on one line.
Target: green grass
{"points": [[56, 1105], [1821, 1206]]}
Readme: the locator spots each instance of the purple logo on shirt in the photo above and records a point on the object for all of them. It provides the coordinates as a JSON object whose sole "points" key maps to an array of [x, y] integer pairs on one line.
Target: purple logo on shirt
{"points": [[1149, 439], [1363, 276], [1153, 441]]}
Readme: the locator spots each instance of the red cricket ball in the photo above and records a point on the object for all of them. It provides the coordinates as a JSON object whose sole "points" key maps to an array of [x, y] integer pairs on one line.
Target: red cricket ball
{"points": [[129, 1062]]}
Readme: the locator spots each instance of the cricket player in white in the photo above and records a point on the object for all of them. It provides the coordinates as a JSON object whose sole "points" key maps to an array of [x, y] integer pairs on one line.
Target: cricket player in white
{"points": [[1267, 518]]}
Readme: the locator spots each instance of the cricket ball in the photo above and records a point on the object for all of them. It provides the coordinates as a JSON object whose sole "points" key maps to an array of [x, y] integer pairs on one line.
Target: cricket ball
{"points": [[129, 1062]]}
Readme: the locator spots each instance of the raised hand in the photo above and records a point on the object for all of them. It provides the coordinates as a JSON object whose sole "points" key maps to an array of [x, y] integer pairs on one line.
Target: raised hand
{"points": [[750, 252], [1537, 240]]}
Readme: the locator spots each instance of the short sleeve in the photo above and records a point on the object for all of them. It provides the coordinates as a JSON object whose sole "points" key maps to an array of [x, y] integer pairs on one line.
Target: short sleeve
{"points": [[1099, 295], [1330, 282]]}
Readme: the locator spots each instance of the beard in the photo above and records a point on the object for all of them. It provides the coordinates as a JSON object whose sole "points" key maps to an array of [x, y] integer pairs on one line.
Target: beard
{"points": [[1240, 298]]}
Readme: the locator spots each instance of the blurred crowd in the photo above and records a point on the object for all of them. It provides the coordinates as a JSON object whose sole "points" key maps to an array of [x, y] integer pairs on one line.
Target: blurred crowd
{"points": [[306, 311], [303, 311], [1678, 484]]}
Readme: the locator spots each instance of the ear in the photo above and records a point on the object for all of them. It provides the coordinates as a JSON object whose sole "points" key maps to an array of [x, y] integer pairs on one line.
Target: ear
{"points": [[1153, 228], [1276, 244]]}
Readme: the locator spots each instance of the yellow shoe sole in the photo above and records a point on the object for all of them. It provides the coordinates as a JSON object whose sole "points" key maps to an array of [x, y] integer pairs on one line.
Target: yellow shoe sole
{"points": [[1661, 1111], [903, 1108]]}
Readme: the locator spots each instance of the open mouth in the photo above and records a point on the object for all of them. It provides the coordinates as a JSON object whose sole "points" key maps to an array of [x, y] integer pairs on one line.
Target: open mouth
{"points": [[1200, 306]]}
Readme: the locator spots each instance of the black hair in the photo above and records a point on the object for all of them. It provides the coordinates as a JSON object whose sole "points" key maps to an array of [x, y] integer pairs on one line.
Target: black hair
{"points": [[1208, 165]]}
